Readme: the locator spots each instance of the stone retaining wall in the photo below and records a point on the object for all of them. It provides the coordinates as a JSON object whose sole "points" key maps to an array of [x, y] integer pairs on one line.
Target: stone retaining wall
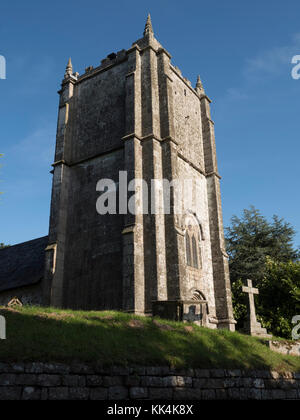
{"points": [[47, 381], [285, 347]]}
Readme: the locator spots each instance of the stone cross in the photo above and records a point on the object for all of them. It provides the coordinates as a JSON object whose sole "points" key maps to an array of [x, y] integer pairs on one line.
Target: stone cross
{"points": [[253, 327], [251, 291]]}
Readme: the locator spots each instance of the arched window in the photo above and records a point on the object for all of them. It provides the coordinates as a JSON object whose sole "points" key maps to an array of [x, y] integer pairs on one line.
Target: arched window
{"points": [[188, 249], [195, 253]]}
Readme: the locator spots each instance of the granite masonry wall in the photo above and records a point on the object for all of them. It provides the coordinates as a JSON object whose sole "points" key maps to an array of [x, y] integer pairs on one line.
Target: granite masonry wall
{"points": [[52, 381]]}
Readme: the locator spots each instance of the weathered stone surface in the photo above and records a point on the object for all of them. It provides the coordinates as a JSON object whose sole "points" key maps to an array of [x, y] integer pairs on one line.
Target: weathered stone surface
{"points": [[99, 394], [10, 393], [221, 394], [233, 373], [208, 394], [117, 393], [217, 373], [183, 381], [48, 380], [291, 394], [258, 383], [278, 394], [233, 382], [138, 393], [156, 370], [25, 379], [7, 379], [160, 393], [58, 394], [202, 373], [186, 394], [77, 380], [155, 381], [250, 385], [79, 368], [112, 380], [211, 383], [133, 380], [31, 394], [292, 349], [79, 394]]}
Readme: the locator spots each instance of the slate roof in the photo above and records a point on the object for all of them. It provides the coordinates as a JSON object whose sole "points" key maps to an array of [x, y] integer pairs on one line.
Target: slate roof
{"points": [[22, 264]]}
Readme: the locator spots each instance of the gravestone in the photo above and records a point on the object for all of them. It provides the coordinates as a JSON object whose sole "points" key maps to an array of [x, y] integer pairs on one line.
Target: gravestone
{"points": [[252, 326], [186, 311]]}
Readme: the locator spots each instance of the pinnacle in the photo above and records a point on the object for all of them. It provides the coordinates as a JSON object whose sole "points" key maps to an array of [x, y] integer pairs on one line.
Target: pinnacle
{"points": [[199, 85], [69, 68], [148, 28]]}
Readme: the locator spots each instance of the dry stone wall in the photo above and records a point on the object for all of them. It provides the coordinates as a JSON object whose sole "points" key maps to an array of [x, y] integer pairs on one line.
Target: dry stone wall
{"points": [[53, 381]]}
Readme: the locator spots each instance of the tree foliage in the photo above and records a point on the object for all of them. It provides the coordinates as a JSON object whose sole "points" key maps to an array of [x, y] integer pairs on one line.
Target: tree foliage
{"points": [[279, 299], [263, 251]]}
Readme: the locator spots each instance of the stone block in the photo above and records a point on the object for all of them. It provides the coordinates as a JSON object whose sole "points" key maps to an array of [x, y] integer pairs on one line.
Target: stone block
{"points": [[155, 381], [26, 379], [10, 393], [201, 373], [184, 394], [137, 370], [233, 373], [138, 393], [160, 393], [99, 394], [31, 394], [79, 393], [234, 393], [7, 379], [291, 394], [278, 394], [233, 382], [157, 371], [15, 368], [48, 380], [183, 381], [217, 373], [258, 383], [112, 380], [208, 394], [221, 394], [74, 380], [253, 394], [80, 368], [58, 394], [133, 380], [117, 393]]}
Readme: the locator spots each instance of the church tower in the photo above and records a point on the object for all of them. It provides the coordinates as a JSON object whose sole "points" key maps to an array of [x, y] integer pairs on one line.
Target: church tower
{"points": [[136, 114]]}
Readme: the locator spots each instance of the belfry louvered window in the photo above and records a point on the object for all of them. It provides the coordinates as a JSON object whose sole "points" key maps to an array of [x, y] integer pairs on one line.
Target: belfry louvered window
{"points": [[195, 252], [193, 248]]}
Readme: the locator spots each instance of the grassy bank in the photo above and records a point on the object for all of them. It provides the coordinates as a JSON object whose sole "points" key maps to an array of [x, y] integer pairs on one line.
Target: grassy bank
{"points": [[113, 338]]}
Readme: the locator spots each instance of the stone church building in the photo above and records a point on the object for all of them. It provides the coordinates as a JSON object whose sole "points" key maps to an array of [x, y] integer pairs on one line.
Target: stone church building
{"points": [[135, 113]]}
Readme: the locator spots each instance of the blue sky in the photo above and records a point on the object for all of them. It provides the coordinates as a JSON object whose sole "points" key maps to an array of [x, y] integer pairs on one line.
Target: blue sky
{"points": [[242, 50]]}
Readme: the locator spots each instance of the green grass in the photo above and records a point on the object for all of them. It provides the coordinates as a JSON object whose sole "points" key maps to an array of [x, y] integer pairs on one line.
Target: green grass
{"points": [[114, 338]]}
